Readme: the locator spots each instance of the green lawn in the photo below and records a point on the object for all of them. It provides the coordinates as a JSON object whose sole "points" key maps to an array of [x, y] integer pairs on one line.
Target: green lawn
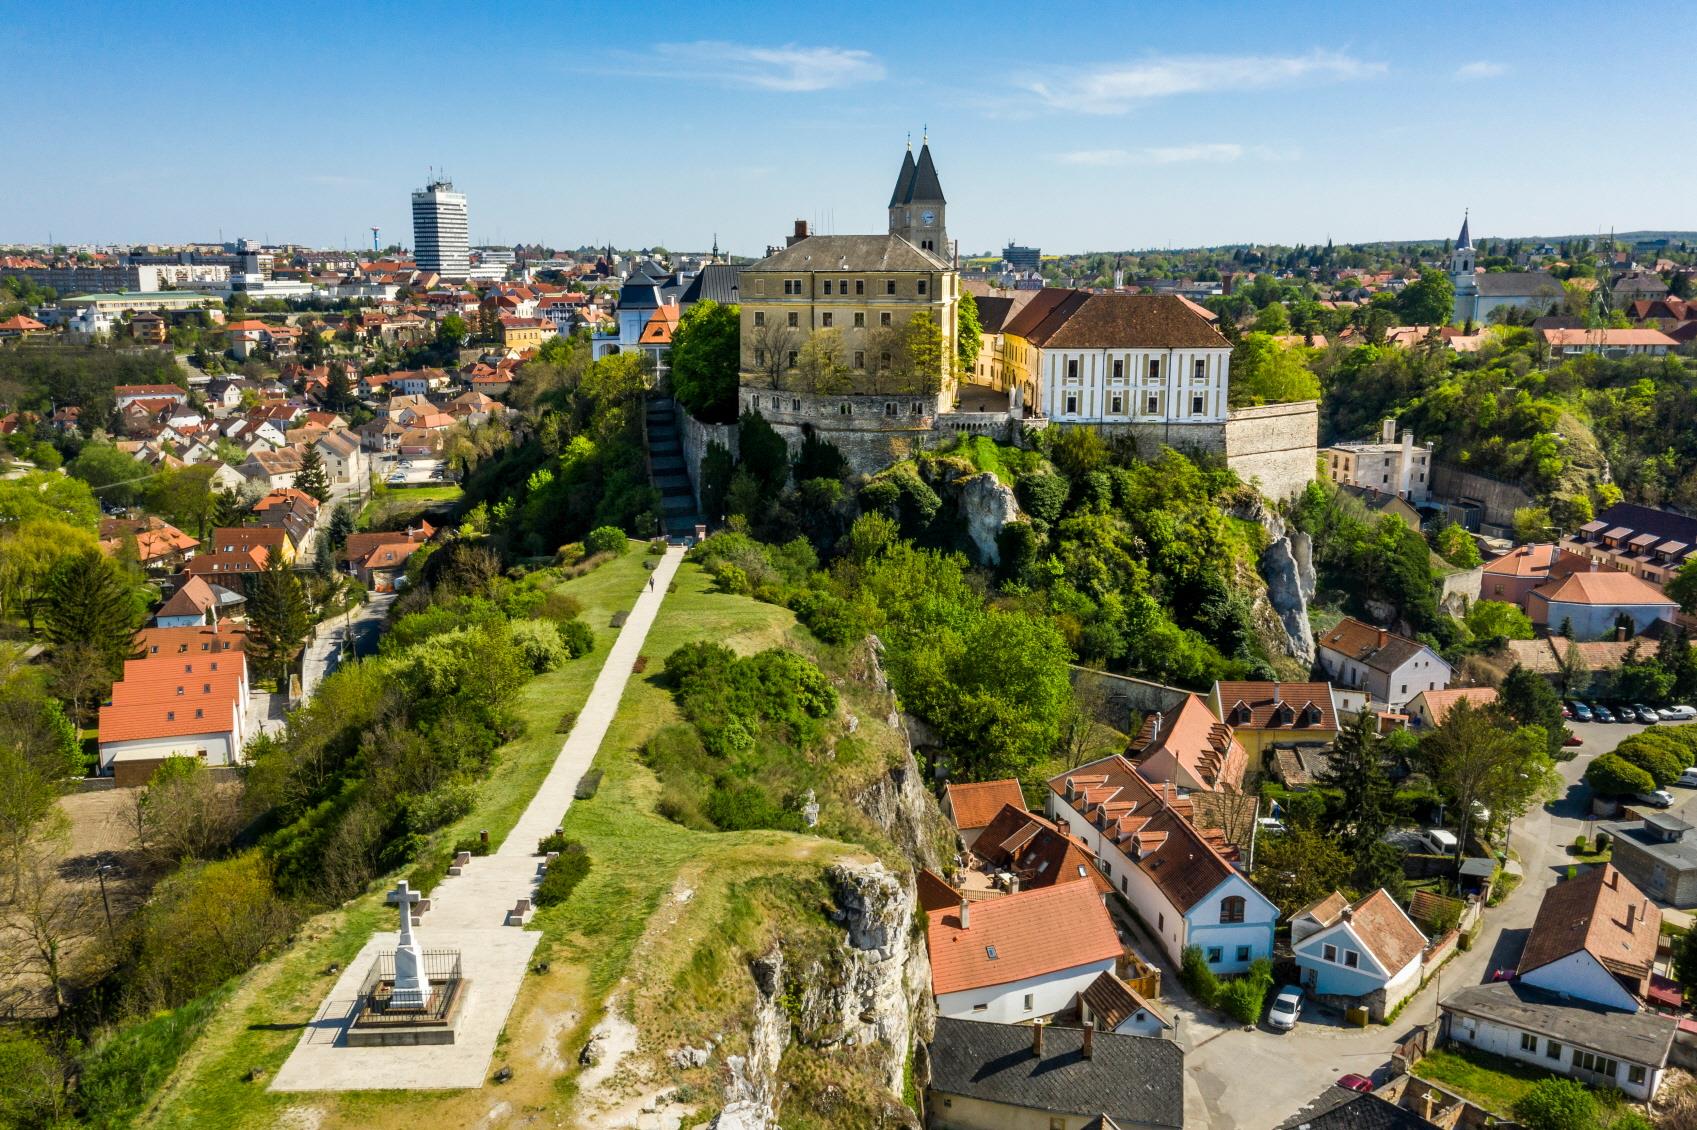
{"points": [[394, 507], [260, 1025], [1491, 1081]]}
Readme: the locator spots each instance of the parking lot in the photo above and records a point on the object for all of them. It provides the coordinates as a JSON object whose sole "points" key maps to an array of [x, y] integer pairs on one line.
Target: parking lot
{"points": [[409, 470]]}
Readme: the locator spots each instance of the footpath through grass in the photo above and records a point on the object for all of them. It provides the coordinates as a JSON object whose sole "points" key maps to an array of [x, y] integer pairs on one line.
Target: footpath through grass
{"points": [[222, 1080]]}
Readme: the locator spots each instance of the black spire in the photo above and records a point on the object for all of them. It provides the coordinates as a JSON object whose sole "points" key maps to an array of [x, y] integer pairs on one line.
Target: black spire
{"points": [[925, 186], [1464, 240], [904, 180]]}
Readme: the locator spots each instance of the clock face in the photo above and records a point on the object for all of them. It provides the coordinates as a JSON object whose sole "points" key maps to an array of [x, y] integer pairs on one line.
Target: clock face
{"points": [[928, 217]]}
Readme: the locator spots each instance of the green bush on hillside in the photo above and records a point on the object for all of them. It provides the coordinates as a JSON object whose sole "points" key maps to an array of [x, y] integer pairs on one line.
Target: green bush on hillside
{"points": [[606, 539]]}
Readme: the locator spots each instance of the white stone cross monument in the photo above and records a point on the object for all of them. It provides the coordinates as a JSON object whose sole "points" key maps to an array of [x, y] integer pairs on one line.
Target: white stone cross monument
{"points": [[412, 987]]}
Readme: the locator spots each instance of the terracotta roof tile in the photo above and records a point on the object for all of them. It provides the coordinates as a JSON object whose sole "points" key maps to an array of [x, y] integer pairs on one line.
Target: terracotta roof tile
{"points": [[975, 804], [1601, 588], [1020, 936], [1264, 700], [1590, 913]]}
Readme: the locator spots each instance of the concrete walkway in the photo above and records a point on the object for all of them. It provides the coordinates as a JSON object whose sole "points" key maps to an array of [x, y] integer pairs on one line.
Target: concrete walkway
{"points": [[468, 914]]}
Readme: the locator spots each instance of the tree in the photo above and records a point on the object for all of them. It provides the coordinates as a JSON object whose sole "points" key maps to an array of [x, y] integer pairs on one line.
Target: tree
{"points": [[1612, 775], [89, 604], [1685, 962], [312, 477], [1678, 659], [1362, 813], [1498, 620], [1682, 587], [1265, 372], [1084, 736], [183, 813], [969, 334], [928, 361], [1557, 1104], [1272, 318], [278, 618], [44, 918], [1573, 675], [110, 473], [1475, 760], [706, 355], [338, 390], [341, 525], [764, 454], [1298, 867], [40, 494], [1457, 546], [1430, 301], [1528, 700]]}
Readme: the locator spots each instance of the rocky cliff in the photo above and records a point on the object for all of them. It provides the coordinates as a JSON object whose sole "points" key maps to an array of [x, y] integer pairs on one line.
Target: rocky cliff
{"points": [[1286, 567]]}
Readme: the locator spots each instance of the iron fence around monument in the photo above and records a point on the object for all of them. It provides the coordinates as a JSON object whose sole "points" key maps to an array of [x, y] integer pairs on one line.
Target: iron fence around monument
{"points": [[376, 1005]]}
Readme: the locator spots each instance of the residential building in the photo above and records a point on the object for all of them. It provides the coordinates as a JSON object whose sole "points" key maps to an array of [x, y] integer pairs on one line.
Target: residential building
{"points": [[21, 325], [344, 461], [1594, 938], [1479, 294], [525, 333], [1640, 540], [1512, 577], [1658, 854], [169, 706], [1022, 258], [379, 559], [1111, 1005], [230, 570], [1595, 605], [1367, 953], [1080, 357], [197, 601], [111, 305], [1182, 887], [1188, 748], [273, 469], [1391, 668], [1608, 342], [1022, 957], [148, 329], [971, 806], [159, 546], [1264, 714], [440, 230], [126, 395], [240, 539], [1032, 853], [1380, 502], [1428, 709], [997, 1077], [1391, 466]]}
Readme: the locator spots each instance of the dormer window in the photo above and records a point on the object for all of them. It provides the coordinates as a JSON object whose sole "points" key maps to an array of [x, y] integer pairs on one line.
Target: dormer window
{"points": [[1284, 715], [1311, 715], [1241, 714]]}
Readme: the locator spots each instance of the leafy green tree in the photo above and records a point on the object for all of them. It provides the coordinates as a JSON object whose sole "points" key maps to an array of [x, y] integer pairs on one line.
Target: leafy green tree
{"points": [[1612, 775], [1528, 700], [1678, 659], [1475, 760], [90, 604], [1272, 318], [1298, 867], [969, 334], [1430, 301], [35, 1093], [312, 477], [41, 494], [1682, 587], [1498, 620], [764, 454], [278, 618], [1642, 679], [1457, 546], [1266, 372], [110, 473], [1685, 962], [450, 332], [705, 358], [341, 525], [1558, 1104]]}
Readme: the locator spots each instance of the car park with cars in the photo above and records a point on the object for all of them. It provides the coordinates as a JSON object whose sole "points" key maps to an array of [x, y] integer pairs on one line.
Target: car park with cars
{"points": [[1677, 713]]}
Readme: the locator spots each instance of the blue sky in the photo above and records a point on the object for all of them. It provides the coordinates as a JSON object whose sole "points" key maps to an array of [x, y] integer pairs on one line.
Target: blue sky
{"points": [[1073, 126]]}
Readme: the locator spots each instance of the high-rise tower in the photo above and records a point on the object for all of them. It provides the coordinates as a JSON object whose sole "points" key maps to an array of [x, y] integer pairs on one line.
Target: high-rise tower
{"points": [[916, 206], [440, 232]]}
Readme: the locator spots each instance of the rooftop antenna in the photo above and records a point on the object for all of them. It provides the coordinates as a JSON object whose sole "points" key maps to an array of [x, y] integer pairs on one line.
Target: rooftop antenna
{"points": [[924, 135], [910, 141]]}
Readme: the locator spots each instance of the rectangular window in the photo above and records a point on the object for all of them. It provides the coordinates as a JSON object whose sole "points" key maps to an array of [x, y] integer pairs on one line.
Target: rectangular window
{"points": [[859, 318], [1552, 1049], [1072, 404], [860, 359], [1215, 955], [884, 318], [1243, 953], [1072, 368], [890, 409], [1198, 404], [919, 287], [1119, 368], [1154, 368], [1595, 1064], [1329, 952], [795, 319], [1160, 921], [760, 286], [1117, 403], [889, 286], [827, 286], [883, 360], [1201, 370], [1351, 959], [1153, 406], [979, 1007], [795, 404], [1528, 1042], [825, 320], [860, 286], [792, 358], [1635, 1074], [1028, 1002], [760, 317]]}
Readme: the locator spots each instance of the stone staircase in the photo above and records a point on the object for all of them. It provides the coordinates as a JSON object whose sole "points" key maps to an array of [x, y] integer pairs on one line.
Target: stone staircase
{"points": [[666, 469]]}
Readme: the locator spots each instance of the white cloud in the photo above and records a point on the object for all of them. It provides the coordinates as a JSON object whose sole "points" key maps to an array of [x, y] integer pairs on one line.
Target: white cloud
{"points": [[1115, 89], [1200, 152], [1481, 69], [787, 68]]}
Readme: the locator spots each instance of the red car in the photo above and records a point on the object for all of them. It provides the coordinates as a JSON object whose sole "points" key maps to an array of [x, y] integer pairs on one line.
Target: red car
{"points": [[1353, 1082], [1504, 974], [1572, 739]]}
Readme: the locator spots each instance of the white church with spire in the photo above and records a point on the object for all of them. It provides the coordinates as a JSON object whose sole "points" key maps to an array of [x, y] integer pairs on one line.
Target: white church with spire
{"points": [[1479, 293]]}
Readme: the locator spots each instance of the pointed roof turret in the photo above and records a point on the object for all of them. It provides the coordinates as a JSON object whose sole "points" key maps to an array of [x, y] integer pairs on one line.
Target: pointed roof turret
{"points": [[1464, 240], [904, 180], [925, 186]]}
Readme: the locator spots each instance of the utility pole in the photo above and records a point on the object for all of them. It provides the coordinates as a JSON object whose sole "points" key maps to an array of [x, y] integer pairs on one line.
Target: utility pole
{"points": [[100, 870]]}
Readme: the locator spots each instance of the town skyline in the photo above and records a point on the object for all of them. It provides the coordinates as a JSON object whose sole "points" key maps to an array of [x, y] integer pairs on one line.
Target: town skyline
{"points": [[1267, 128]]}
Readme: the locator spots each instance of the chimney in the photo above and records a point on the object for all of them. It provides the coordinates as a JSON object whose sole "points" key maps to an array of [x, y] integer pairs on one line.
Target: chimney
{"points": [[1277, 695], [1037, 1039], [965, 914], [1620, 633], [1631, 916], [800, 234], [1384, 637], [1611, 877], [1387, 430], [1431, 1101], [1089, 1047]]}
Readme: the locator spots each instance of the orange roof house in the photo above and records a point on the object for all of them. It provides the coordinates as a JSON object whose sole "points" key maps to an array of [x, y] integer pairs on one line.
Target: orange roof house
{"points": [[971, 806], [1261, 713], [1428, 709], [1035, 852], [1594, 938], [1594, 604], [1190, 748]]}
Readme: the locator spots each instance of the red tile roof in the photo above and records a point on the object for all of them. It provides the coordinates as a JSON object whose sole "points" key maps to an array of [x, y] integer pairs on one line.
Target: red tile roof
{"points": [[1199, 742], [1020, 936], [974, 805], [1440, 703], [1277, 706], [1590, 913], [1605, 587]]}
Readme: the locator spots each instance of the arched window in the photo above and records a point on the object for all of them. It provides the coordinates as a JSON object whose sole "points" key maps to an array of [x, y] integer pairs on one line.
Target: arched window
{"points": [[1231, 908]]}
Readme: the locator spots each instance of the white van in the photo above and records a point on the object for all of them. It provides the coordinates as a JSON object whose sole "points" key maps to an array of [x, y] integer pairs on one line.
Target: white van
{"points": [[1441, 841]]}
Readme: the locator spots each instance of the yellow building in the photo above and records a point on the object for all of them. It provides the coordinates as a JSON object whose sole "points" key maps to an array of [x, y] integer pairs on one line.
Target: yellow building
{"points": [[525, 333]]}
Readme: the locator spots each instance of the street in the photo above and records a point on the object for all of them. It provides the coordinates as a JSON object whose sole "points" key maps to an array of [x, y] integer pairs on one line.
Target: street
{"points": [[1257, 1078], [362, 628]]}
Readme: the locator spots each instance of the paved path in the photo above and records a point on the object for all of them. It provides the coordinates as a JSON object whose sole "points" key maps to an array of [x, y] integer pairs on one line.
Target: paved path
{"points": [[324, 651], [468, 914]]}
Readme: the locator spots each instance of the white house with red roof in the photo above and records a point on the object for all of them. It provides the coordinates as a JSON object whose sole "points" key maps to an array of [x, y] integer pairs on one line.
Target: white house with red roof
{"points": [[1184, 890], [1592, 604], [971, 805], [1022, 957], [175, 705]]}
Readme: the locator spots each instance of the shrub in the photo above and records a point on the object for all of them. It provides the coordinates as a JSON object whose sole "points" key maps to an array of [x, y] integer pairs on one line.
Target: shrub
{"points": [[553, 841], [567, 721], [439, 807], [539, 644], [1663, 765], [578, 638], [1613, 775], [1243, 997], [1042, 496], [1195, 975], [34, 1094], [830, 617], [476, 845], [640, 665], [559, 607], [563, 875], [606, 539], [124, 1072], [1557, 1104], [657, 549]]}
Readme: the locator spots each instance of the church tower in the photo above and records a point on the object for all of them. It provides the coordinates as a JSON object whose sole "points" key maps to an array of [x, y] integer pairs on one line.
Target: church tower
{"points": [[1462, 261], [916, 206]]}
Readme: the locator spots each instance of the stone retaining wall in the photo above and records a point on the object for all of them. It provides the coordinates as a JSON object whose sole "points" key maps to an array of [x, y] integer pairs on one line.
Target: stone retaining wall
{"points": [[1275, 446], [693, 437]]}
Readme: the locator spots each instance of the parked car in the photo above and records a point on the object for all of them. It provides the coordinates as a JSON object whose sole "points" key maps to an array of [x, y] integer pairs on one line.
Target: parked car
{"points": [[1572, 739], [404, 463], [1581, 712], [1270, 825], [1656, 798], [1601, 713], [398, 477], [1439, 841], [1503, 974], [1645, 714], [1688, 778], [1678, 713], [1287, 1006], [1566, 712], [1354, 1082]]}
